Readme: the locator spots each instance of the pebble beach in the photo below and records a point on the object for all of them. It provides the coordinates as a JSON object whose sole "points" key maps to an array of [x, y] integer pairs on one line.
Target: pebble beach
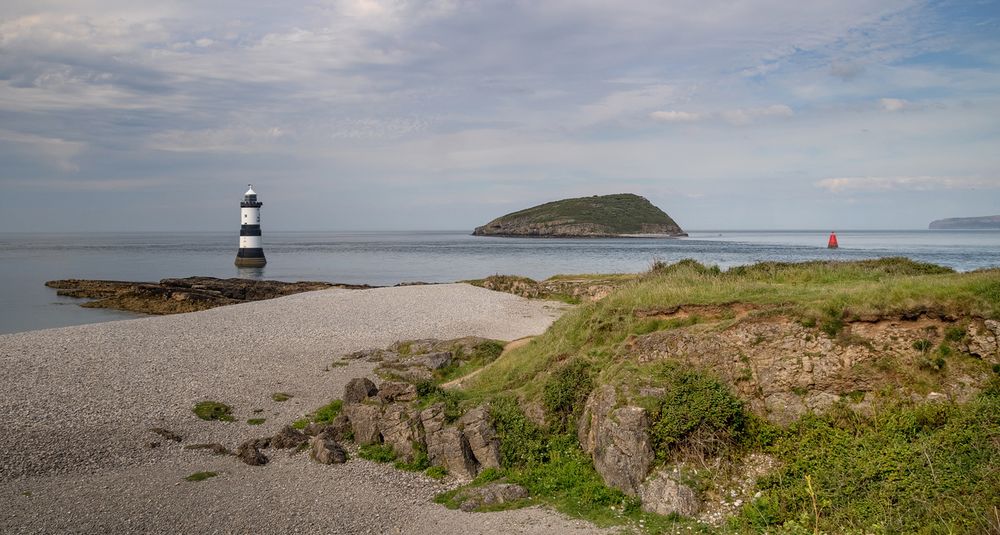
{"points": [[77, 404]]}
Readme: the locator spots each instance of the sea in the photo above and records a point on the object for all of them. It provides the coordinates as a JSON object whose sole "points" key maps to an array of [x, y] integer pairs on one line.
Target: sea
{"points": [[386, 258]]}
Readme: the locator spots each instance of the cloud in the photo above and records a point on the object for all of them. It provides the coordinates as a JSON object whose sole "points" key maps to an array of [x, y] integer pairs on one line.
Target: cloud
{"points": [[621, 104], [676, 116], [846, 70], [893, 104], [48, 150], [80, 185], [907, 183], [748, 115]]}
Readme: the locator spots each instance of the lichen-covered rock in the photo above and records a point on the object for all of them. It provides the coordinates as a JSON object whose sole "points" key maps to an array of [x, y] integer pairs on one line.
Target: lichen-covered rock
{"points": [[983, 341], [364, 420], [617, 439], [433, 361], [446, 445], [249, 454], [326, 451], [288, 437], [481, 437], [491, 494], [400, 428], [358, 390], [390, 392], [663, 494]]}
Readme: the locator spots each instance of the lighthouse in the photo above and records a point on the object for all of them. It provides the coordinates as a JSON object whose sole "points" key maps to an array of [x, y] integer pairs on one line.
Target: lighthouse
{"points": [[251, 254]]}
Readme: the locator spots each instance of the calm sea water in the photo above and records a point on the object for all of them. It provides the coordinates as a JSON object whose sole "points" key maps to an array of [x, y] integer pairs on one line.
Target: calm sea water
{"points": [[386, 258]]}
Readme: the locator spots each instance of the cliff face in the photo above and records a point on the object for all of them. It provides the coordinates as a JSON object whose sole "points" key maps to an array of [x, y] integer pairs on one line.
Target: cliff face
{"points": [[967, 223], [591, 217]]}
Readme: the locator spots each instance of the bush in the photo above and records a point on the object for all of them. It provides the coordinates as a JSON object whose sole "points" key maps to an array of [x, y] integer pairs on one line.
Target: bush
{"points": [[200, 476], [522, 443], [328, 412], [213, 410], [566, 391], [922, 345], [929, 468], [696, 412]]}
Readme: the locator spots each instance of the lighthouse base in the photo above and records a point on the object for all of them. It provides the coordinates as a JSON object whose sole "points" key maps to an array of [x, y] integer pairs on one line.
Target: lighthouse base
{"points": [[250, 257]]}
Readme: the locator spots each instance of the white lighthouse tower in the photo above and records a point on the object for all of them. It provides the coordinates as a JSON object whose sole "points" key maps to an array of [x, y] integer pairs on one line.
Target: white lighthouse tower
{"points": [[251, 253]]}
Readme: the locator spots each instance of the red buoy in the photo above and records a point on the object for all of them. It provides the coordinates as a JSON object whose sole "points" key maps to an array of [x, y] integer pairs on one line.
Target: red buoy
{"points": [[832, 244]]}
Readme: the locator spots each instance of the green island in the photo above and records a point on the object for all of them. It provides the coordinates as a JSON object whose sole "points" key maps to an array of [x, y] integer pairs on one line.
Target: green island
{"points": [[618, 215], [818, 397]]}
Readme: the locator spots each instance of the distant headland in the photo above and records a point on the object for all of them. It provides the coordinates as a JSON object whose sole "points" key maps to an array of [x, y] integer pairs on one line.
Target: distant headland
{"points": [[605, 216], [967, 223]]}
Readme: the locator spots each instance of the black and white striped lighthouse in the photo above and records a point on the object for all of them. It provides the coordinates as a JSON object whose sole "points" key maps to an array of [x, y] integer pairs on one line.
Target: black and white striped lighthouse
{"points": [[251, 253]]}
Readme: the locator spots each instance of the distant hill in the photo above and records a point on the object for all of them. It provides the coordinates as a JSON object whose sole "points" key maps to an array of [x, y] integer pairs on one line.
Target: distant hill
{"points": [[619, 215], [967, 223]]}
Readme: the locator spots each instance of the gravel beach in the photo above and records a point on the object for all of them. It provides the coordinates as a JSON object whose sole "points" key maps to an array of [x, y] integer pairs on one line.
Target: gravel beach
{"points": [[77, 404]]}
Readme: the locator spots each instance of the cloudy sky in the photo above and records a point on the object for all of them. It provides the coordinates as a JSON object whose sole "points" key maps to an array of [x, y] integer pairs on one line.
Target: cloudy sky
{"points": [[442, 114]]}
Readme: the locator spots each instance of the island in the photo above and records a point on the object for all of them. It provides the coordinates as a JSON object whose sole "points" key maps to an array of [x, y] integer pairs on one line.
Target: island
{"points": [[606, 216], [990, 222]]}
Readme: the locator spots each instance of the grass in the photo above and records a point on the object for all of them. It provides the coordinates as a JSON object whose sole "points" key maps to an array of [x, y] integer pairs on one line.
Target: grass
{"points": [[481, 355], [200, 476], [436, 472], [824, 294], [213, 410], [281, 397], [323, 415], [256, 421], [380, 453]]}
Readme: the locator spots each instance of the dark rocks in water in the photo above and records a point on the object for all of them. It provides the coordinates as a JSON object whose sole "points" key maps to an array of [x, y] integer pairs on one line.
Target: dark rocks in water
{"points": [[249, 453], [326, 451], [358, 390], [169, 435], [173, 296], [606, 216], [289, 437], [491, 494]]}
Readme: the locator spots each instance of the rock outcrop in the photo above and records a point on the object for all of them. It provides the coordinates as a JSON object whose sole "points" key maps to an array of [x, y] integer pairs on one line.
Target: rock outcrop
{"points": [[617, 439], [326, 451], [604, 216], [173, 296]]}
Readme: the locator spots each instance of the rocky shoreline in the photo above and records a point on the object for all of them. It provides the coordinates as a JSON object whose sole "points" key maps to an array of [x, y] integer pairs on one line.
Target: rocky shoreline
{"points": [[190, 294]]}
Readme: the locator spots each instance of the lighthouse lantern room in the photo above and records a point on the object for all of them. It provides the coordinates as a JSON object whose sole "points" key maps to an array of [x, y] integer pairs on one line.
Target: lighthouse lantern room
{"points": [[251, 253]]}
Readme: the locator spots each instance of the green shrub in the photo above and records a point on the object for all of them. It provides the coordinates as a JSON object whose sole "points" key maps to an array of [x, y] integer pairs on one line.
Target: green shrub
{"points": [[280, 397], [522, 443], [954, 333], [696, 411], [213, 410], [301, 423], [256, 421], [566, 391], [922, 345], [929, 468]]}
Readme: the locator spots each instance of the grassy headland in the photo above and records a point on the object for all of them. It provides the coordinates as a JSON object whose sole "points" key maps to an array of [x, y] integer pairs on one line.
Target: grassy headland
{"points": [[859, 394]]}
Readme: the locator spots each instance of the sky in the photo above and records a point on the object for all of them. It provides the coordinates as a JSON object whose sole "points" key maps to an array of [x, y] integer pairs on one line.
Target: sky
{"points": [[443, 114]]}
